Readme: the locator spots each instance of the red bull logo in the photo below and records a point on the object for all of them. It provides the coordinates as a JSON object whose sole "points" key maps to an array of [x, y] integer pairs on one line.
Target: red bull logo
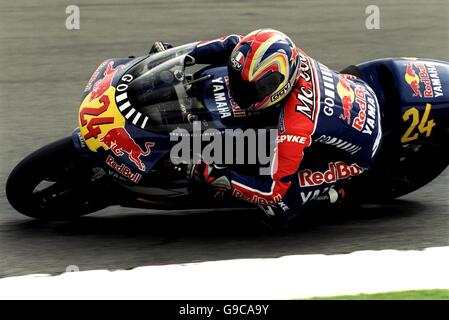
{"points": [[103, 84], [123, 170], [254, 198], [120, 142], [347, 97], [423, 79], [337, 171], [413, 80]]}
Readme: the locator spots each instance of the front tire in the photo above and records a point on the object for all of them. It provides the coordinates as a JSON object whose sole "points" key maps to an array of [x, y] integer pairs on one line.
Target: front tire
{"points": [[56, 183]]}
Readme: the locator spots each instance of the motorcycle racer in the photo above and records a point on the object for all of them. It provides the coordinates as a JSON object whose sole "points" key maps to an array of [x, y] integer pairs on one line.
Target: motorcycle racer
{"points": [[318, 107]]}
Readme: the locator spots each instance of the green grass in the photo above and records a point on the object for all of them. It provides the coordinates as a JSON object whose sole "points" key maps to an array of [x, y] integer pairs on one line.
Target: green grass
{"points": [[436, 294]]}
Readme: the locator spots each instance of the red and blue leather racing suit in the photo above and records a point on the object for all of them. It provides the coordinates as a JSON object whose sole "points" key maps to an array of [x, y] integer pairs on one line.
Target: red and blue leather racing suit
{"points": [[325, 110]]}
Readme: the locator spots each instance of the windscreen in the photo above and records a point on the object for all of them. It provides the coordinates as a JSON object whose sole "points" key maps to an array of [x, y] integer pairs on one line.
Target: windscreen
{"points": [[157, 91]]}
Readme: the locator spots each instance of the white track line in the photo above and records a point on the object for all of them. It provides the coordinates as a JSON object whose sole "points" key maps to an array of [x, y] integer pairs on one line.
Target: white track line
{"points": [[282, 278]]}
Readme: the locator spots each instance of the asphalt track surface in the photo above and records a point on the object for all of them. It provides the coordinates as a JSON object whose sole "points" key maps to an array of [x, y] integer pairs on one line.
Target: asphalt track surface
{"points": [[44, 68]]}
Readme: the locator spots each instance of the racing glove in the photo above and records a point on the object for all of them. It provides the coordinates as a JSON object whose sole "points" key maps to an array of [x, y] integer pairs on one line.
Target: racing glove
{"points": [[211, 175], [160, 46]]}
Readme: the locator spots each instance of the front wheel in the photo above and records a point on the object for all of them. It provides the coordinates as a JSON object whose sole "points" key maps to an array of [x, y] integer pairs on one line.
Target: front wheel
{"points": [[57, 183]]}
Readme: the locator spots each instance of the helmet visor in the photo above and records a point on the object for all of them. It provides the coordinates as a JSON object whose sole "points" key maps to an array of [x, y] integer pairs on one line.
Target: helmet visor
{"points": [[246, 93], [243, 92]]}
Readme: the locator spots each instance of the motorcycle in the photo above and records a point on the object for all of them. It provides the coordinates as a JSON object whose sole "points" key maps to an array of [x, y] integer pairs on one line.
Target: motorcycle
{"points": [[120, 152]]}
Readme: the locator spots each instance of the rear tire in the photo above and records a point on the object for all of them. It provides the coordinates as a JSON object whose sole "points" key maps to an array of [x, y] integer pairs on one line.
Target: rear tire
{"points": [[71, 191]]}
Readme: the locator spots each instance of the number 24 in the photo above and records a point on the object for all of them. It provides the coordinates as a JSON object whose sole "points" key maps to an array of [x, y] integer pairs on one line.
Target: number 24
{"points": [[424, 126]]}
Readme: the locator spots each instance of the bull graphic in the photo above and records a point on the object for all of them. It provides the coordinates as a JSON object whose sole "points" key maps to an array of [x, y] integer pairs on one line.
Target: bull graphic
{"points": [[347, 97], [103, 84], [413, 80], [120, 142]]}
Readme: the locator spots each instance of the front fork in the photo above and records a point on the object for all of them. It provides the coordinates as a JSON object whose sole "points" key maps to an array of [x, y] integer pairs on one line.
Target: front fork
{"points": [[78, 141]]}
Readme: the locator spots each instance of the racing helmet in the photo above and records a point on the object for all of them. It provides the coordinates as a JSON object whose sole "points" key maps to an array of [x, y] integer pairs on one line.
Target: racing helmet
{"points": [[262, 69]]}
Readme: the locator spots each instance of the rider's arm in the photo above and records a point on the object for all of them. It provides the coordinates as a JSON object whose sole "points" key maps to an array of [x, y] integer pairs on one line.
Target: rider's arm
{"points": [[215, 51], [294, 135]]}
